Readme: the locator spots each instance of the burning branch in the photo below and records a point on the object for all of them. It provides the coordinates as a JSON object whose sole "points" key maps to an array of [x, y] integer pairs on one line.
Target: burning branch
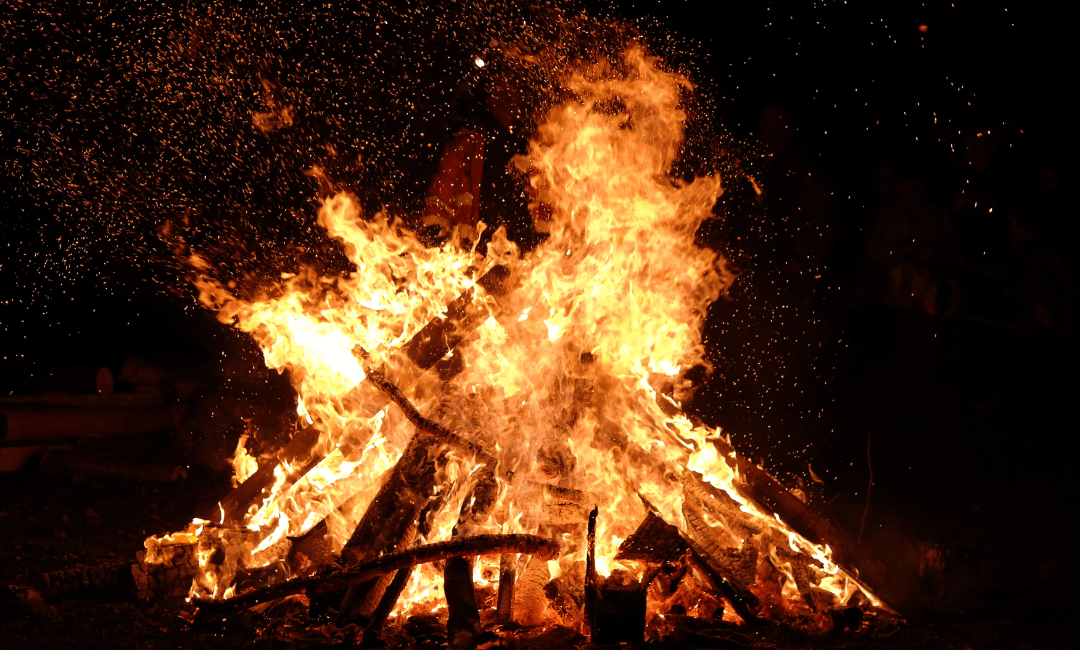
{"points": [[544, 549]]}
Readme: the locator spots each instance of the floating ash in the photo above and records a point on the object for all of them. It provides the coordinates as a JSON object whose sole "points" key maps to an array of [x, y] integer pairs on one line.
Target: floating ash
{"points": [[550, 431]]}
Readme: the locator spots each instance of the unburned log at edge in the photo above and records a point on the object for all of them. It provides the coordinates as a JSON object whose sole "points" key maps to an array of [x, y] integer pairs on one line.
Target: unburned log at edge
{"points": [[534, 545]]}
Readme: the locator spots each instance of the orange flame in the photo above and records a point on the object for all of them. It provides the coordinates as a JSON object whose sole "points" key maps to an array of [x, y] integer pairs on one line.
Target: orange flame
{"points": [[574, 380]]}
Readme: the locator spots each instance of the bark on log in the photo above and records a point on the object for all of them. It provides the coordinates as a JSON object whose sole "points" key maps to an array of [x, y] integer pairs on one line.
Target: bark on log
{"points": [[538, 547]]}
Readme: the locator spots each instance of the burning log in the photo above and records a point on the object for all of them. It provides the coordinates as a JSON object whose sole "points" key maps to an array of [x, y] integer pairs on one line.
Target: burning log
{"points": [[427, 347], [297, 452], [422, 424], [538, 547], [504, 604], [463, 620], [397, 585], [590, 570], [388, 520], [655, 540], [758, 485], [530, 601]]}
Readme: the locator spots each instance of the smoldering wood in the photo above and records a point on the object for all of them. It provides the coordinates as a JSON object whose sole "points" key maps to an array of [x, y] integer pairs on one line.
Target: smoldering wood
{"points": [[58, 461], [171, 577], [81, 576], [533, 545]]}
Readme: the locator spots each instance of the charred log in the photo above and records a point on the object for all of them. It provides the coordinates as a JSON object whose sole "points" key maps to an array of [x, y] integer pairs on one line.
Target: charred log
{"points": [[590, 570], [401, 578], [390, 517], [504, 607]]}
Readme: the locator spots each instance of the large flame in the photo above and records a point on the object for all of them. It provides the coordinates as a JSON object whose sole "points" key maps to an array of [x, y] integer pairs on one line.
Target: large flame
{"points": [[575, 379]]}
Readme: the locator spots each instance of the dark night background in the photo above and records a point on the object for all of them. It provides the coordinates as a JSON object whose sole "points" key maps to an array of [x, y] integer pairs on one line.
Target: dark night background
{"points": [[907, 288]]}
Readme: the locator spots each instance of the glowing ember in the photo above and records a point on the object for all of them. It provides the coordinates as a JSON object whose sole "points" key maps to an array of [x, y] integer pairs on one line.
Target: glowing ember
{"points": [[573, 380]]}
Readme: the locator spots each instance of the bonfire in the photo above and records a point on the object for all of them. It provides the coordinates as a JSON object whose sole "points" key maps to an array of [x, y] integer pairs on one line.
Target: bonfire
{"points": [[498, 439]]}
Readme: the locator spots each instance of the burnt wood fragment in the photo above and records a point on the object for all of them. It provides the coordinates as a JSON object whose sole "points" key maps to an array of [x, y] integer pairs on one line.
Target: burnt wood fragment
{"points": [[590, 571], [654, 541]]}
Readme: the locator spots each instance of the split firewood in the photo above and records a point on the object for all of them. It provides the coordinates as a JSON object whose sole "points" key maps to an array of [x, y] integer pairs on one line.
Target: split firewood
{"points": [[538, 547], [504, 604]]}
